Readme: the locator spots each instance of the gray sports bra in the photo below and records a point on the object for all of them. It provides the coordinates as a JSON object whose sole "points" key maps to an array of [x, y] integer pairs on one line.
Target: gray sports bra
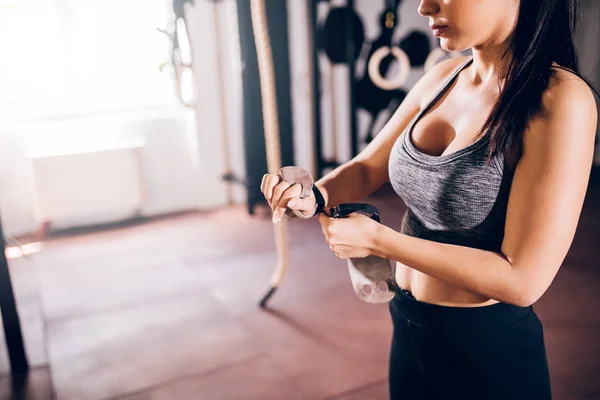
{"points": [[454, 198]]}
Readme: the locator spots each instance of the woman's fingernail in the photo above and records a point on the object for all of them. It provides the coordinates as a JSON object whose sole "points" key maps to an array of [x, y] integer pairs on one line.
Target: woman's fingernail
{"points": [[277, 216], [293, 203]]}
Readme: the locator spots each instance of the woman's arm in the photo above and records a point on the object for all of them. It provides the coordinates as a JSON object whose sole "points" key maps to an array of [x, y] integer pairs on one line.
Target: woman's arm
{"points": [[544, 207]]}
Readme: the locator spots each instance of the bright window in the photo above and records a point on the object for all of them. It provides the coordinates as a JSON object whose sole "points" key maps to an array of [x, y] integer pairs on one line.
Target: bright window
{"points": [[72, 57]]}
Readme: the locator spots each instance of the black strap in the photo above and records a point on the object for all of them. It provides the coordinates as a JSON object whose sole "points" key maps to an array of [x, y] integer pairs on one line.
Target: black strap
{"points": [[343, 210], [319, 199]]}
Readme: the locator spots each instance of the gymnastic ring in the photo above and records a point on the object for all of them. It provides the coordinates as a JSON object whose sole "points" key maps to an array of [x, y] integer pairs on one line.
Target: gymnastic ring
{"points": [[403, 64], [437, 54]]}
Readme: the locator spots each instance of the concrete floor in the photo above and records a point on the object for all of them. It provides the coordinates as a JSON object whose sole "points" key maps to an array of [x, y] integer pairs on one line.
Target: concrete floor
{"points": [[167, 309]]}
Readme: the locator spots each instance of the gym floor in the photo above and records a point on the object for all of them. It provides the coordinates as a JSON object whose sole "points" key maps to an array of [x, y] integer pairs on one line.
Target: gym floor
{"points": [[167, 309]]}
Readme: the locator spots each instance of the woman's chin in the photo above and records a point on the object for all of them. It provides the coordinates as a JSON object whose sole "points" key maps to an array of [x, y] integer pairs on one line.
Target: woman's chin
{"points": [[449, 44]]}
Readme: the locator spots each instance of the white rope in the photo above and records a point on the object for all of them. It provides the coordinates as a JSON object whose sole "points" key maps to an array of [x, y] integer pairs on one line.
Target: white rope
{"points": [[270, 121]]}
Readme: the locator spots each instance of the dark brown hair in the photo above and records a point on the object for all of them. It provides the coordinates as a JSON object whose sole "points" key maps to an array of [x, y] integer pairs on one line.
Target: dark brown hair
{"points": [[544, 34]]}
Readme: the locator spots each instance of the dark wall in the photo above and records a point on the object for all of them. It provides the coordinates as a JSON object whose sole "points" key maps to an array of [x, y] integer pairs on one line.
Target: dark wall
{"points": [[254, 140]]}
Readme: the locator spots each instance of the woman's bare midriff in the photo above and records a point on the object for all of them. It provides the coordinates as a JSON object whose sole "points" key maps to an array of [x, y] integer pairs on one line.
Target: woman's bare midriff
{"points": [[431, 290]]}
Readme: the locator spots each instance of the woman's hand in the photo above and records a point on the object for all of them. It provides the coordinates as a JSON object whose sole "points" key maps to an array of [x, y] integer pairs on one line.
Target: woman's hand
{"points": [[281, 195], [354, 236]]}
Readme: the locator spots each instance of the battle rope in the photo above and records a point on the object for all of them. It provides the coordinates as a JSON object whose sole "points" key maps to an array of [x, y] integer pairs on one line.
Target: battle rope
{"points": [[271, 129]]}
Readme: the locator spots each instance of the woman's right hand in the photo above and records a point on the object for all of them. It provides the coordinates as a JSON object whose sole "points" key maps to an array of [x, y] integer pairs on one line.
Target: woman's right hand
{"points": [[281, 195]]}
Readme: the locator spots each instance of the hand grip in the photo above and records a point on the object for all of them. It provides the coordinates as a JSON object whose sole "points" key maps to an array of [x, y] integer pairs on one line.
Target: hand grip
{"points": [[294, 175]]}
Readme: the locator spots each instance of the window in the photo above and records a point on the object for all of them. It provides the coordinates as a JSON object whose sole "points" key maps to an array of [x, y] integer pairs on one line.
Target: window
{"points": [[70, 57]]}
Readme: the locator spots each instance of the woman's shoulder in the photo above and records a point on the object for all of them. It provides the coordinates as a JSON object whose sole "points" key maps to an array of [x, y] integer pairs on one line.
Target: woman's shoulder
{"points": [[437, 76], [445, 68], [567, 97], [567, 121], [566, 92], [567, 106]]}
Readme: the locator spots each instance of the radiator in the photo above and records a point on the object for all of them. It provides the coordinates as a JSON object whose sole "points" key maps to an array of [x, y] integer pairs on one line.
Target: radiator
{"points": [[85, 187]]}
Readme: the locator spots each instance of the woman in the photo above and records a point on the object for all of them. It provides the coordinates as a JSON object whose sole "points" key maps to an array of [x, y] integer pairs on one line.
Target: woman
{"points": [[492, 155]]}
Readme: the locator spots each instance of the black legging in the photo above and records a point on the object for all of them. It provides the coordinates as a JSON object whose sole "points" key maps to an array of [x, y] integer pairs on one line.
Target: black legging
{"points": [[490, 352]]}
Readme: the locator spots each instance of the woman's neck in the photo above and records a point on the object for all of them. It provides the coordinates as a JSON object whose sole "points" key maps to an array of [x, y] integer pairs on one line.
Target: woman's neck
{"points": [[490, 65]]}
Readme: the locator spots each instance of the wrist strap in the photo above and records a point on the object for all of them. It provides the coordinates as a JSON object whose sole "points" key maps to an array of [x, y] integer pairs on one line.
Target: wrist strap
{"points": [[319, 199], [343, 210]]}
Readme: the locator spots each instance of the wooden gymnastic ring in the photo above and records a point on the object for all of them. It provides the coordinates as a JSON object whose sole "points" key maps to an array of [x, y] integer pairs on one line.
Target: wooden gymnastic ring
{"points": [[403, 64]]}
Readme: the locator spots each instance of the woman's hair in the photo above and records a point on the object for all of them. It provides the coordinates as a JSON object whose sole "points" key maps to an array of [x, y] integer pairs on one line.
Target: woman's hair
{"points": [[544, 34]]}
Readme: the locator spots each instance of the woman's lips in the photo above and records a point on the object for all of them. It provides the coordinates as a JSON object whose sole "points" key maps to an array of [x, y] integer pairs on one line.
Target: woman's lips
{"points": [[438, 30]]}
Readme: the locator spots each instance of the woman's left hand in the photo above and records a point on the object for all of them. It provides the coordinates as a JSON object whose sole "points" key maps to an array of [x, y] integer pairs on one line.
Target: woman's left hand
{"points": [[351, 237]]}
